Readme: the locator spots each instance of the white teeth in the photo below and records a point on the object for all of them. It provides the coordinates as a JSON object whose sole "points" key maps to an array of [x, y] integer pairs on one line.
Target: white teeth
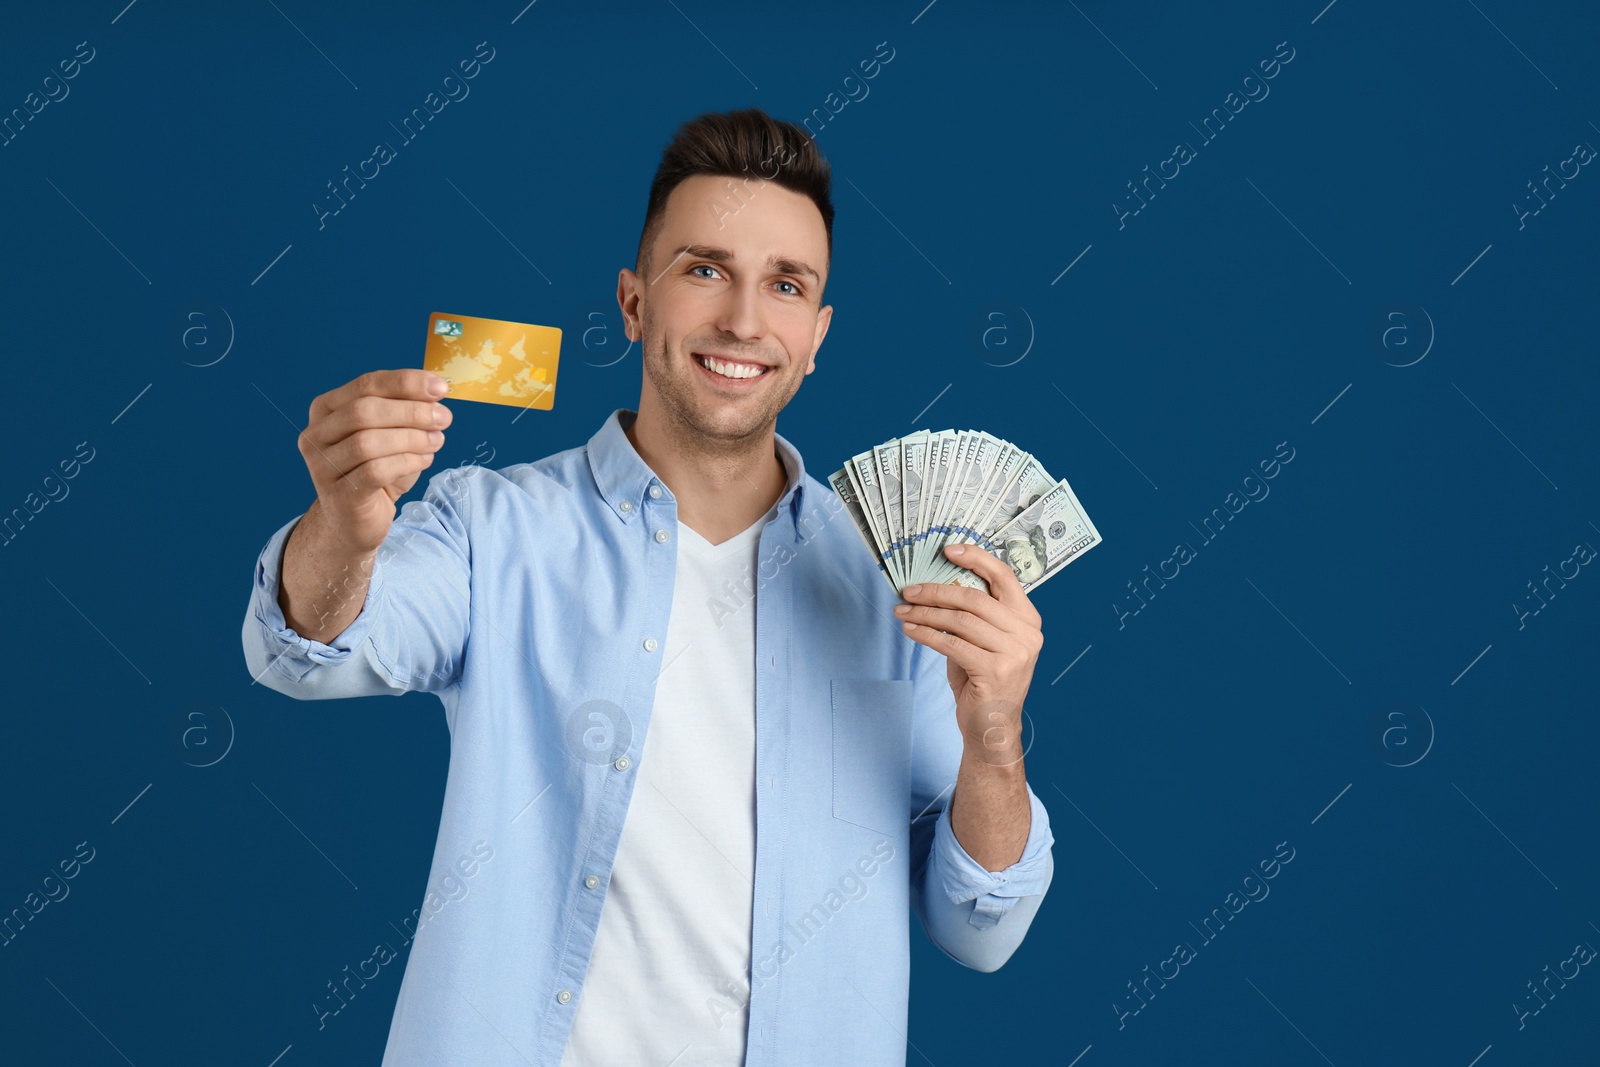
{"points": [[731, 370]]}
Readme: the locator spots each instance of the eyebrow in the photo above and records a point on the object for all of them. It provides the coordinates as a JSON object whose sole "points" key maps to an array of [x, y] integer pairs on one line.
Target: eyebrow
{"points": [[722, 255]]}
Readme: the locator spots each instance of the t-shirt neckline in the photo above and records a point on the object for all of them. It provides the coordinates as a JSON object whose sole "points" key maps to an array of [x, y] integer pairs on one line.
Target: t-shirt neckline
{"points": [[692, 539]]}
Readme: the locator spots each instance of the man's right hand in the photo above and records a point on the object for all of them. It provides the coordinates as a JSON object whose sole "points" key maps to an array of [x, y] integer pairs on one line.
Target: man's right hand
{"points": [[366, 444]]}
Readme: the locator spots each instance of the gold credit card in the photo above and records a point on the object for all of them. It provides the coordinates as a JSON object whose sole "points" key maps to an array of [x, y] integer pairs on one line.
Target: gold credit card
{"points": [[494, 361]]}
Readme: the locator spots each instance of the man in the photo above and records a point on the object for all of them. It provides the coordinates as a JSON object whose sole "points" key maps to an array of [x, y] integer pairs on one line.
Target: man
{"points": [[710, 769]]}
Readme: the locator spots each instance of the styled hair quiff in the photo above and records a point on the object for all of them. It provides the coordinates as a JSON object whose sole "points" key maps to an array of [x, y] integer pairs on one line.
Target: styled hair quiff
{"points": [[743, 144]]}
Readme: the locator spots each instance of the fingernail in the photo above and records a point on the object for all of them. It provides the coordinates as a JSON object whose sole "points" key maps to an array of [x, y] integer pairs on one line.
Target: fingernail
{"points": [[901, 609], [912, 590], [956, 550], [438, 387], [909, 625]]}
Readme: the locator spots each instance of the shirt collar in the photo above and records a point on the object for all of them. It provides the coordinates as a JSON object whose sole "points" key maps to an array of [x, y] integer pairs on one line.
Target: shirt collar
{"points": [[624, 479]]}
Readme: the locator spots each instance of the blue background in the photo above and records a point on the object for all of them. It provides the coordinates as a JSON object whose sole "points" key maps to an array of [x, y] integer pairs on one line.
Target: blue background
{"points": [[1342, 668]]}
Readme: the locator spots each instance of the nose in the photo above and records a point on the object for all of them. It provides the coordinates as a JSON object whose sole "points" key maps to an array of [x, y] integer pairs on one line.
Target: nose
{"points": [[740, 312]]}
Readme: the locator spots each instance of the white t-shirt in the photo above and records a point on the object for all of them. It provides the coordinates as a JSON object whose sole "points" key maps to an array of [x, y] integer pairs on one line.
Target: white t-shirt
{"points": [[669, 977]]}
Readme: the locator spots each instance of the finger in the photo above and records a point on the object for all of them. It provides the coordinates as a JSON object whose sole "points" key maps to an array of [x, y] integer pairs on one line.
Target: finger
{"points": [[386, 471], [410, 383], [1003, 584], [366, 445], [964, 624], [402, 485], [375, 412], [966, 655], [1021, 645], [984, 605]]}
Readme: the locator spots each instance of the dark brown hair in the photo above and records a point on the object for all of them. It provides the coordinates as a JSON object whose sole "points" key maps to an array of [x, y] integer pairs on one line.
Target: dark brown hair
{"points": [[747, 144]]}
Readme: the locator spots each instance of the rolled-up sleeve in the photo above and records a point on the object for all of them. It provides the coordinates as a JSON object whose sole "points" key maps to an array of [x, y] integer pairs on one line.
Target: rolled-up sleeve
{"points": [[413, 626], [993, 893], [976, 916]]}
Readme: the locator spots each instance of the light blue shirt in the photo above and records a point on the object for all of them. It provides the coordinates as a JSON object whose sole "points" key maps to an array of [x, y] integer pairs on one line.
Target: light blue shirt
{"points": [[534, 600]]}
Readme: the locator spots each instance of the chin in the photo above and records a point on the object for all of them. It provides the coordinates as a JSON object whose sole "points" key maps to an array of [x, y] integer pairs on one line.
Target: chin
{"points": [[730, 424]]}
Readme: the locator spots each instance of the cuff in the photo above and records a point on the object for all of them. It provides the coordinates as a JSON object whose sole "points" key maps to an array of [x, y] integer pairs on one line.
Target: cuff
{"points": [[994, 893], [289, 653]]}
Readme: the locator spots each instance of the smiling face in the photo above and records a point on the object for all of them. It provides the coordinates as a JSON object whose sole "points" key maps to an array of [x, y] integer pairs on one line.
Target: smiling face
{"points": [[730, 315]]}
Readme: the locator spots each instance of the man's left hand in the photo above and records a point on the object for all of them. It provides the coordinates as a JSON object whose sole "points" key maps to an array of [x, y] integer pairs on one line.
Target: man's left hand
{"points": [[990, 641]]}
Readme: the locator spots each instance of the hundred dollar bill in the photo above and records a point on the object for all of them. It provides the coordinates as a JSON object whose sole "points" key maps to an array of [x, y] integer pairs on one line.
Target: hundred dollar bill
{"points": [[1033, 483], [947, 477], [1046, 536], [887, 458], [840, 480], [1009, 464], [962, 496], [940, 460], [941, 451], [913, 467], [1028, 484], [966, 510], [865, 469]]}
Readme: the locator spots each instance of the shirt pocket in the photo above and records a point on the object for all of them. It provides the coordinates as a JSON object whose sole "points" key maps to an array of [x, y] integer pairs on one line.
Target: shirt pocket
{"points": [[872, 752]]}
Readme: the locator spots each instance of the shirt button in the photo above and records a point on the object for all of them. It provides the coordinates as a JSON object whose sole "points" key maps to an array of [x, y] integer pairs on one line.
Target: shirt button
{"points": [[565, 996], [655, 492], [626, 505], [650, 644], [591, 881], [662, 535], [623, 763]]}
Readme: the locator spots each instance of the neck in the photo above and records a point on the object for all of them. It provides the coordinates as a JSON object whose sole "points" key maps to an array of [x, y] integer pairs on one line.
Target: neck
{"points": [[721, 487]]}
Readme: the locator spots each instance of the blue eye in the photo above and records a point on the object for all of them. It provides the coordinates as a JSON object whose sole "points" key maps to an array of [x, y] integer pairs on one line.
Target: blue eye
{"points": [[794, 287]]}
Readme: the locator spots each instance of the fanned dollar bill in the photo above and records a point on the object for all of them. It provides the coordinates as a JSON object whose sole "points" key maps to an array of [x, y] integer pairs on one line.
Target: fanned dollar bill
{"points": [[912, 496]]}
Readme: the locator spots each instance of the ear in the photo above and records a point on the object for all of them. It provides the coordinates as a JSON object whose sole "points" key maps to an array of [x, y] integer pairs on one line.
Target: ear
{"points": [[824, 318], [628, 289]]}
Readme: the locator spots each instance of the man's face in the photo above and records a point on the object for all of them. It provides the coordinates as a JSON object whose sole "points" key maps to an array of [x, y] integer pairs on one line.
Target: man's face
{"points": [[739, 282]]}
